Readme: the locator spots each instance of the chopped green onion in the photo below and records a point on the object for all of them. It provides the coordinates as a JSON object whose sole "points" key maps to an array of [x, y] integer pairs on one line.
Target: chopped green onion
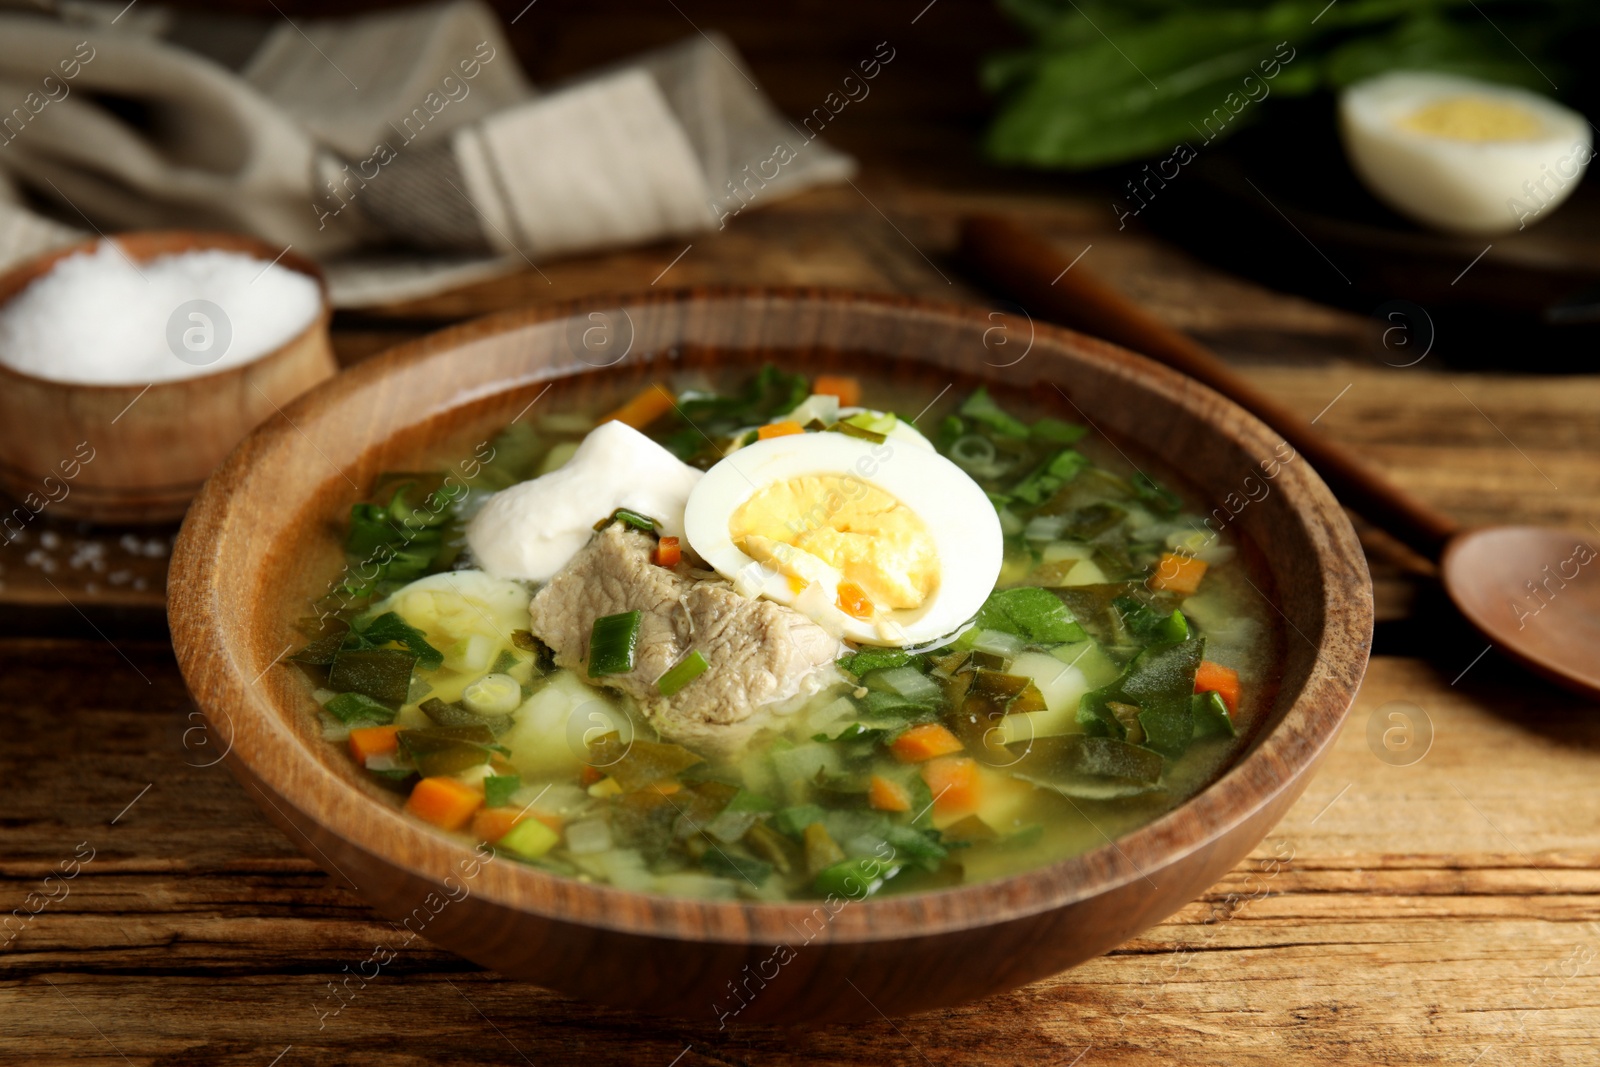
{"points": [[1057, 432], [980, 407], [972, 452], [628, 518], [493, 694], [682, 673], [856, 879], [612, 642], [850, 429], [1049, 476]]}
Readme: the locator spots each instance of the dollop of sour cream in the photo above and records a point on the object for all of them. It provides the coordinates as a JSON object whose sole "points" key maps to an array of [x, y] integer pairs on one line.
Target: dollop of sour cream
{"points": [[531, 530]]}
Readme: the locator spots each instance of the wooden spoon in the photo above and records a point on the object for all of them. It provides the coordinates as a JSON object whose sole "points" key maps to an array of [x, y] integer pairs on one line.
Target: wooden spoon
{"points": [[1525, 587]]}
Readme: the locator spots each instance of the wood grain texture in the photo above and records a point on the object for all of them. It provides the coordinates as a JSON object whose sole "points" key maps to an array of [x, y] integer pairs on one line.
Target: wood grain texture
{"points": [[1429, 914], [1406, 930], [257, 547]]}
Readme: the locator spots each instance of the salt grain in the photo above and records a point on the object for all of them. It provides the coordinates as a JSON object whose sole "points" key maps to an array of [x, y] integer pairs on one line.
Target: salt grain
{"points": [[95, 319]]}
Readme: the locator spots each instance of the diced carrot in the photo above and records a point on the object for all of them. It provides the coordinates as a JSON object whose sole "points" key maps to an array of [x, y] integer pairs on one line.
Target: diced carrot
{"points": [[924, 742], [1178, 574], [953, 780], [666, 786], [491, 824], [374, 741], [646, 407], [779, 429], [847, 389], [590, 775], [667, 553], [885, 794], [444, 802], [1223, 681], [853, 601]]}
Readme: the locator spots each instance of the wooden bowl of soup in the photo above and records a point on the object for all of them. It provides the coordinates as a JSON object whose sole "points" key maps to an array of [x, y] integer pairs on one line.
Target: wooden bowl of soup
{"points": [[1139, 512]]}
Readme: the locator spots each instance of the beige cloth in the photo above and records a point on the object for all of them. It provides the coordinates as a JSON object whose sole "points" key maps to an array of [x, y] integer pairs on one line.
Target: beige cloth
{"points": [[404, 150]]}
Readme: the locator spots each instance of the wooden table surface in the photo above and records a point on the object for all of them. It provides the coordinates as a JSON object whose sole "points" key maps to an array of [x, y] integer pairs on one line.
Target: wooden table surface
{"points": [[1432, 899]]}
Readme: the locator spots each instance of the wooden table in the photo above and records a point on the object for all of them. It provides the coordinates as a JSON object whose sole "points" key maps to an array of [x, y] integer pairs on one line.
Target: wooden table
{"points": [[1432, 899]]}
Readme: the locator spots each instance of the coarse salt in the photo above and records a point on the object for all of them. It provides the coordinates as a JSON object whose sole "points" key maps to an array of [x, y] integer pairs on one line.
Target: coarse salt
{"points": [[97, 319]]}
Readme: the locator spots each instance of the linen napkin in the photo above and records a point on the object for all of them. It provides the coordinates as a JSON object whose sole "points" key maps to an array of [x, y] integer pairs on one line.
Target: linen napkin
{"points": [[405, 150]]}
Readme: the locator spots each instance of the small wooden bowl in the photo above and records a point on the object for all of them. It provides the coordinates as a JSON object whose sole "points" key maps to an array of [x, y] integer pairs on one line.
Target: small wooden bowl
{"points": [[136, 453], [263, 538]]}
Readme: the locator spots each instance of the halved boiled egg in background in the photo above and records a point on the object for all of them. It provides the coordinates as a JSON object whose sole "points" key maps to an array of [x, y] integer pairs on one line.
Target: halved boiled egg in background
{"points": [[883, 542], [1462, 155]]}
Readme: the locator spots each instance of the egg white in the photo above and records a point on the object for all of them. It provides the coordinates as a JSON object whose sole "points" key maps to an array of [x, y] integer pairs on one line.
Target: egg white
{"points": [[1456, 185], [957, 515]]}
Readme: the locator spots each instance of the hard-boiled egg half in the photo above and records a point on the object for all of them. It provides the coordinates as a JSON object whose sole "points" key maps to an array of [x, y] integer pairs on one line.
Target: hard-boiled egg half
{"points": [[877, 538], [1462, 155]]}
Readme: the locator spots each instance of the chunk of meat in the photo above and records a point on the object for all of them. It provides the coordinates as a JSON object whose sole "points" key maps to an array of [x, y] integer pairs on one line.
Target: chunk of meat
{"points": [[760, 654]]}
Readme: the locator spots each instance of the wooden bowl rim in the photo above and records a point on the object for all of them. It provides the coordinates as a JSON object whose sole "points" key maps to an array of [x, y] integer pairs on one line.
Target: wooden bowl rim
{"points": [[20, 276], [1313, 718]]}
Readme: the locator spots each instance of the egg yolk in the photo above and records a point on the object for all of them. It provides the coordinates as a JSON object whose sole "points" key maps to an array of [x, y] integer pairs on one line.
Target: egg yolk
{"points": [[860, 531], [1473, 118]]}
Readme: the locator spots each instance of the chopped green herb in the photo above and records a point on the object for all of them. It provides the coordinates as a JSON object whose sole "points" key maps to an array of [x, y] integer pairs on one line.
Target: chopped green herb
{"points": [[1057, 432], [872, 659], [1211, 718], [384, 674], [1090, 522], [682, 673], [358, 708], [612, 642], [544, 657], [1049, 476], [980, 407], [325, 643], [447, 750], [638, 763], [1162, 501], [505, 662], [497, 789], [735, 864], [1159, 681], [454, 715], [769, 393], [1150, 626], [856, 879], [1034, 614], [1063, 762], [391, 627]]}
